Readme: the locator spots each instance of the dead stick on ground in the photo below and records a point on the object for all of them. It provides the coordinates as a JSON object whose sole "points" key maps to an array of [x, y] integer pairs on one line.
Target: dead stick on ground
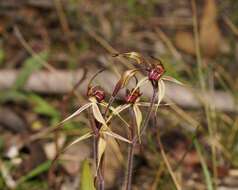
{"points": [[60, 82]]}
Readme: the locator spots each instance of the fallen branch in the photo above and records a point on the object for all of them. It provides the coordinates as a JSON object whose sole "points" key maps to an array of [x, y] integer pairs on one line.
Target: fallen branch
{"points": [[61, 82]]}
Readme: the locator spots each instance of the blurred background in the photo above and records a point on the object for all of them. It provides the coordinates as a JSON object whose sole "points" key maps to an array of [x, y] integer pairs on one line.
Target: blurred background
{"points": [[48, 46]]}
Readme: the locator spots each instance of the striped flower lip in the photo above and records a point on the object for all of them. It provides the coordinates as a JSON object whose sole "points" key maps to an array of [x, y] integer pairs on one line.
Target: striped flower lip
{"points": [[156, 73], [132, 96], [96, 92]]}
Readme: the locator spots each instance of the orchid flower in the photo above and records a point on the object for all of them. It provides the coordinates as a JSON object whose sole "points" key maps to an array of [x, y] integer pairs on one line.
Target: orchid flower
{"points": [[96, 97], [155, 73]]}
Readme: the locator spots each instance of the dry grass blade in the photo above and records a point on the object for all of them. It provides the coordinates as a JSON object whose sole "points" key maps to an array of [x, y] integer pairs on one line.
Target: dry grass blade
{"points": [[166, 161], [31, 51], [138, 116]]}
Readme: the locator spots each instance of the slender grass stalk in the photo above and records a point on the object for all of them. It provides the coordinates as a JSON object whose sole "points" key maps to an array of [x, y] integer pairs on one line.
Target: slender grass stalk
{"points": [[179, 163], [206, 172], [163, 154], [166, 161], [203, 87]]}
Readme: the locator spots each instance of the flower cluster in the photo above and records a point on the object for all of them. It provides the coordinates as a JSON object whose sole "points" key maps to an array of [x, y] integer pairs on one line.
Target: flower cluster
{"points": [[101, 112]]}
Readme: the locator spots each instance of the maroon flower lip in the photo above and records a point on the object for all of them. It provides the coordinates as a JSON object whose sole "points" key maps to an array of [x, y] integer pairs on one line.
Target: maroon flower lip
{"points": [[96, 92], [132, 96], [99, 95], [156, 73]]}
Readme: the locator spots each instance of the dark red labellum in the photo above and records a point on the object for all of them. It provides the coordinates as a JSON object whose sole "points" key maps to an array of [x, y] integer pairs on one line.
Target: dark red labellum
{"points": [[131, 96], [96, 92], [99, 95], [156, 73]]}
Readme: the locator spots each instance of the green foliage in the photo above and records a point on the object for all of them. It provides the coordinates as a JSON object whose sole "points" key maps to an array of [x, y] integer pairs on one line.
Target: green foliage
{"points": [[2, 56], [86, 182], [36, 171], [206, 172], [12, 95], [41, 106], [30, 65], [144, 9], [33, 185]]}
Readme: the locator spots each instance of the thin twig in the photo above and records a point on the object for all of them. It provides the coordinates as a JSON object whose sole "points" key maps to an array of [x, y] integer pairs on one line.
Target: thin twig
{"points": [[107, 46], [65, 26], [231, 25], [30, 50], [99, 176]]}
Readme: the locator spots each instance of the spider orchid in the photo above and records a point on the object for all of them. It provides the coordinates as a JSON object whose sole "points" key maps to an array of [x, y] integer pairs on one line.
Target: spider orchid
{"points": [[99, 126], [131, 102], [155, 73]]}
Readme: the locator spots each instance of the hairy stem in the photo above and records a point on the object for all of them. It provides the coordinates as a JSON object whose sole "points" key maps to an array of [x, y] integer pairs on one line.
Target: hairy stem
{"points": [[129, 167], [135, 138], [130, 158], [99, 177], [148, 115]]}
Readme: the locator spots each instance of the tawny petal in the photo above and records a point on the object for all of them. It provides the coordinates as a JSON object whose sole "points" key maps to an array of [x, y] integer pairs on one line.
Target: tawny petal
{"points": [[101, 149], [84, 107], [83, 137], [138, 116], [97, 114], [113, 144], [117, 110], [161, 92], [134, 55], [127, 75], [171, 79], [146, 104], [116, 136]]}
